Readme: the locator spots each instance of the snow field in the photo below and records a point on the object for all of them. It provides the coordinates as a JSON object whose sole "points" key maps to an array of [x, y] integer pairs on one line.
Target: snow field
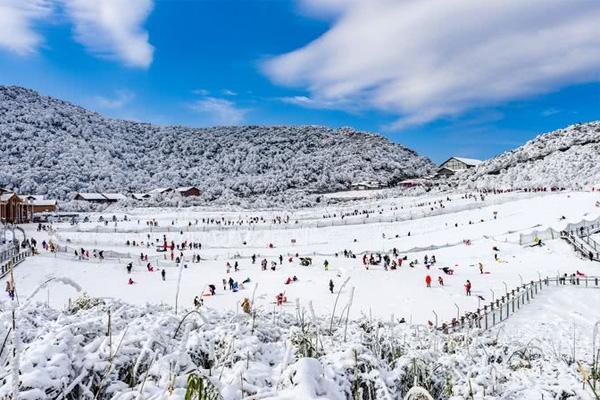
{"points": [[377, 292], [289, 351]]}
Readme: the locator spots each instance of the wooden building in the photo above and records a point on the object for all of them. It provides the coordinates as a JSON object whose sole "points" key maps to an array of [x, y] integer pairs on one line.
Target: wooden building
{"points": [[43, 205], [91, 197], [140, 196], [159, 191], [366, 185], [456, 164], [14, 209], [100, 197], [114, 197], [188, 191]]}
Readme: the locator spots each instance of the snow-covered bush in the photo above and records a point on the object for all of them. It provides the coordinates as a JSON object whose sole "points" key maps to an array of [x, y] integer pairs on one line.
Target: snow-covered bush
{"points": [[149, 352]]}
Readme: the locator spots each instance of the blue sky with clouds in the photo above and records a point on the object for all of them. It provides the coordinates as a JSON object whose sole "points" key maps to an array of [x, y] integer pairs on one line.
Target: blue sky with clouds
{"points": [[462, 78]]}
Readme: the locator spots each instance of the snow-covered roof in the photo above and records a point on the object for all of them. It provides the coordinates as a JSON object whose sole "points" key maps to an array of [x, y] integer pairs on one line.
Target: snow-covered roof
{"points": [[32, 196], [469, 161], [185, 188], [114, 196], [6, 196], [43, 202], [366, 183], [91, 196], [159, 190], [415, 181]]}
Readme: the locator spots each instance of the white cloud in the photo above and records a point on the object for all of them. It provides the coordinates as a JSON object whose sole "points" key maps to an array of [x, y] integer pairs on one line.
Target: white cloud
{"points": [[421, 60], [113, 28], [119, 100], [17, 20], [319, 103], [228, 92], [201, 92], [216, 111]]}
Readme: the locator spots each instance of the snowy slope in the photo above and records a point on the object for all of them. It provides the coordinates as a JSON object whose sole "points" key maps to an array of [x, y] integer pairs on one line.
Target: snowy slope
{"points": [[61, 149], [566, 158], [297, 351]]}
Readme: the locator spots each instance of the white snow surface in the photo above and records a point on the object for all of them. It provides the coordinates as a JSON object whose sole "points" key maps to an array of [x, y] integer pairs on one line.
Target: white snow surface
{"points": [[270, 354]]}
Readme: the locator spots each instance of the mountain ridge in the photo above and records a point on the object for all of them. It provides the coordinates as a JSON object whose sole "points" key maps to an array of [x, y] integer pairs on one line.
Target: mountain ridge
{"points": [[60, 148]]}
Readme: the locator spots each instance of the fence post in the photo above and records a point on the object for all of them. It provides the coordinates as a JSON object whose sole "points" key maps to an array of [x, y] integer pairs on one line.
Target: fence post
{"points": [[500, 309]]}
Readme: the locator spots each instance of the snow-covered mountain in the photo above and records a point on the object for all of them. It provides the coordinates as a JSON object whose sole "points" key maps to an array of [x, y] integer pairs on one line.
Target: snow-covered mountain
{"points": [[53, 147], [565, 158]]}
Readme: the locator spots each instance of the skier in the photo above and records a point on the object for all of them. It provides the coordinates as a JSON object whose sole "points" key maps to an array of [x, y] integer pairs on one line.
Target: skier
{"points": [[331, 286], [163, 273], [428, 281], [468, 287], [441, 281], [326, 265], [129, 267], [481, 268]]}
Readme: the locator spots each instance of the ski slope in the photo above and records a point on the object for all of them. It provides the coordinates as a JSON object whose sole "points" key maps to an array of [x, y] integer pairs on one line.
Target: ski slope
{"points": [[493, 222]]}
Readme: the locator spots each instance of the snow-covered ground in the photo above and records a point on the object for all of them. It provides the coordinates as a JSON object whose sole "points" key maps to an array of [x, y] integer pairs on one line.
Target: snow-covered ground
{"points": [[460, 230], [401, 292]]}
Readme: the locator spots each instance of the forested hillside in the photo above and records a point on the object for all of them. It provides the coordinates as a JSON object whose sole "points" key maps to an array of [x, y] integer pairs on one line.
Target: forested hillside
{"points": [[53, 147]]}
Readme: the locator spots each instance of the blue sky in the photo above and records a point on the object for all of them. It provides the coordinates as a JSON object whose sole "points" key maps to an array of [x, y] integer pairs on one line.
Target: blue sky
{"points": [[388, 67]]}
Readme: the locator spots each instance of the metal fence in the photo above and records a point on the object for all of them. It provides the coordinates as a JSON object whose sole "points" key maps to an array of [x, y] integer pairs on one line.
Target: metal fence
{"points": [[407, 214], [587, 246], [13, 261], [7, 254], [501, 309]]}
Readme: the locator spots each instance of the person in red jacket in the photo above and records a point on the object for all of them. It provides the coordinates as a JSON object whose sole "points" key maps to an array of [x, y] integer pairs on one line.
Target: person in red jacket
{"points": [[428, 280], [468, 287]]}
